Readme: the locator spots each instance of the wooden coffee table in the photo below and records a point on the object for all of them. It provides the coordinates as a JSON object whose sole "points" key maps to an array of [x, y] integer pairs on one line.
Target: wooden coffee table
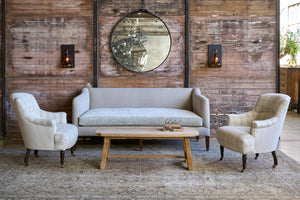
{"points": [[146, 133]]}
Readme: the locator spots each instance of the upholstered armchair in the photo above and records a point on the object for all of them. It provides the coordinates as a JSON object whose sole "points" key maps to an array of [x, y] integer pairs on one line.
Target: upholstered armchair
{"points": [[257, 131], [42, 130]]}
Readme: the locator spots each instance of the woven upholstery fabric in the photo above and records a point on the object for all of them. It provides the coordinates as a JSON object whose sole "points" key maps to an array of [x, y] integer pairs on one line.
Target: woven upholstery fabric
{"points": [[236, 138], [39, 127], [138, 117], [257, 130], [65, 137]]}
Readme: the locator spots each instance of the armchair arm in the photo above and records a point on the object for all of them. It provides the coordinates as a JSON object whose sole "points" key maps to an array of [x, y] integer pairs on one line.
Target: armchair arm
{"points": [[201, 107], [38, 133], [41, 121], [243, 119], [59, 117], [265, 123], [80, 104]]}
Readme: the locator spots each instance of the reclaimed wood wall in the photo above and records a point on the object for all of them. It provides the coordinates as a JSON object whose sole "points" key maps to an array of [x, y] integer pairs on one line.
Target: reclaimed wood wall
{"points": [[247, 32], [36, 30]]}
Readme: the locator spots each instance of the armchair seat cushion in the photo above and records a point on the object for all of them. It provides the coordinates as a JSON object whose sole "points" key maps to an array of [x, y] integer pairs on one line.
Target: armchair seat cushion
{"points": [[138, 117], [65, 137], [236, 138]]}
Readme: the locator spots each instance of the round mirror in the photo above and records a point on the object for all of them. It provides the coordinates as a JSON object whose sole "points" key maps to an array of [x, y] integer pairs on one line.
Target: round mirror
{"points": [[141, 41]]}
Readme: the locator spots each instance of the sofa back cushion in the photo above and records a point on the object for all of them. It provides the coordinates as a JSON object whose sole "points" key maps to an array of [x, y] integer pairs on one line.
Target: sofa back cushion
{"points": [[180, 98]]}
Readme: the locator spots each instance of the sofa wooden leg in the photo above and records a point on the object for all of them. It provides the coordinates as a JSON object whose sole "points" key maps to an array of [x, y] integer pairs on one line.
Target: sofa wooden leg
{"points": [[222, 152], [197, 138], [256, 156], [141, 144], [27, 156], [275, 159], [62, 158], [207, 142], [244, 162], [36, 153]]}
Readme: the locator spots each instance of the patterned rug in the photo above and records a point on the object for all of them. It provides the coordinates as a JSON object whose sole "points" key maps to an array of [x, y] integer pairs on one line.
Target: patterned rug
{"points": [[145, 178]]}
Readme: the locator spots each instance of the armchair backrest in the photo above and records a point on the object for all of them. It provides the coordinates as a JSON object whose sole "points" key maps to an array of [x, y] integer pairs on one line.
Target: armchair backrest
{"points": [[25, 103], [268, 106]]}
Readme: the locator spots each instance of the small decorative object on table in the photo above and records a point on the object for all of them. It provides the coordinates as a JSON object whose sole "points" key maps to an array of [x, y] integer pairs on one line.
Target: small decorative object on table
{"points": [[172, 126]]}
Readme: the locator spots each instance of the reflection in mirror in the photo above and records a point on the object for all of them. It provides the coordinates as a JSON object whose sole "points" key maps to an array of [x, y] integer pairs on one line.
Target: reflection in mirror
{"points": [[141, 41]]}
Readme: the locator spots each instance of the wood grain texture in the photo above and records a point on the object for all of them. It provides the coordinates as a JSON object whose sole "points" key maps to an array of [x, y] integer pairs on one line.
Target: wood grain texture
{"points": [[247, 32], [50, 7], [290, 83]]}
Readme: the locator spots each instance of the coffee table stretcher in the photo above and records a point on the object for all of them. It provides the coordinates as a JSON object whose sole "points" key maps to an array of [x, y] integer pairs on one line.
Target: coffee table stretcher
{"points": [[145, 133]]}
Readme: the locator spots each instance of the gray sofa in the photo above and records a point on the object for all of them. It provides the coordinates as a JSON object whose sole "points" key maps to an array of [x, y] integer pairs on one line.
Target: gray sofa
{"points": [[98, 107]]}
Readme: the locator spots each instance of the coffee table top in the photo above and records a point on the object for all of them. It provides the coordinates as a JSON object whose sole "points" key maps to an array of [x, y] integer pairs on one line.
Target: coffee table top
{"points": [[144, 132]]}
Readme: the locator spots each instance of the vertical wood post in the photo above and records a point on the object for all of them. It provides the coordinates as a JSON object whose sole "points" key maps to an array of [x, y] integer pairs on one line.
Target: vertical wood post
{"points": [[3, 70], [187, 44], [277, 46], [95, 48]]}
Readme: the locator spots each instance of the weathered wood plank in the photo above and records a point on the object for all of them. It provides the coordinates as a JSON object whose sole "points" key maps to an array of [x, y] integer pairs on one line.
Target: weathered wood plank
{"points": [[35, 46], [50, 7]]}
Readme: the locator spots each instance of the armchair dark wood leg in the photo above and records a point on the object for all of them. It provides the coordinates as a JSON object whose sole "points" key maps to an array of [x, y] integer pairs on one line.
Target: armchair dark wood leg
{"points": [[275, 159], [36, 153], [72, 150], [244, 162], [256, 156], [197, 138], [62, 158], [222, 152], [27, 156], [207, 142]]}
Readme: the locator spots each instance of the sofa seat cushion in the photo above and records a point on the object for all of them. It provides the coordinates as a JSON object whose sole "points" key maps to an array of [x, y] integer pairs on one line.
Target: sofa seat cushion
{"points": [[138, 117]]}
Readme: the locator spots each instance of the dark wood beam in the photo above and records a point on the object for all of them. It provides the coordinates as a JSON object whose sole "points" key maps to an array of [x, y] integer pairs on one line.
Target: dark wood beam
{"points": [[187, 44], [95, 48], [3, 70]]}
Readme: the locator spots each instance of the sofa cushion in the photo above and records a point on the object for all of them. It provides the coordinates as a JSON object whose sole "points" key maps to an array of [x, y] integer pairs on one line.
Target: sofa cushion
{"points": [[138, 117]]}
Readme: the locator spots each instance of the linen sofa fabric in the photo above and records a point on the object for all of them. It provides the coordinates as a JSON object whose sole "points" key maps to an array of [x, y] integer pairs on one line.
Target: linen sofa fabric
{"points": [[257, 131], [138, 117], [40, 129], [96, 107]]}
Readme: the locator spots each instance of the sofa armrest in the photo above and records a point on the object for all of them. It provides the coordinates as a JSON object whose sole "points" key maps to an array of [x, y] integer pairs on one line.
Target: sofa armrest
{"points": [[80, 105], [201, 107]]}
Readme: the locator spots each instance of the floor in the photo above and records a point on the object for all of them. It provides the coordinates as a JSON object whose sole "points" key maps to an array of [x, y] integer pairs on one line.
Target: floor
{"points": [[290, 136]]}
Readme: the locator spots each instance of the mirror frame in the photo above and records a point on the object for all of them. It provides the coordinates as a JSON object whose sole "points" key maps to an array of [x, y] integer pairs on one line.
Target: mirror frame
{"points": [[124, 18]]}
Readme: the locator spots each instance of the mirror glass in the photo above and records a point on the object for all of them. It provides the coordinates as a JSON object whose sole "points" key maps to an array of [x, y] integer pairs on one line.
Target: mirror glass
{"points": [[141, 41]]}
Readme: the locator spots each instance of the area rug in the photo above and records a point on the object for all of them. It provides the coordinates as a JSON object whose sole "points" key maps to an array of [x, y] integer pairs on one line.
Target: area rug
{"points": [[145, 178]]}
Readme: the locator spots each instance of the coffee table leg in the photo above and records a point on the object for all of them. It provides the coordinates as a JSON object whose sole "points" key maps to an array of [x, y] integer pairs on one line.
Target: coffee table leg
{"points": [[188, 153], [105, 150], [184, 148]]}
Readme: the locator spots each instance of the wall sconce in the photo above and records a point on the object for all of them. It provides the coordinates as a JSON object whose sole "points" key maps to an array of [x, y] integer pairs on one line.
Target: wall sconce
{"points": [[214, 55], [67, 55]]}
